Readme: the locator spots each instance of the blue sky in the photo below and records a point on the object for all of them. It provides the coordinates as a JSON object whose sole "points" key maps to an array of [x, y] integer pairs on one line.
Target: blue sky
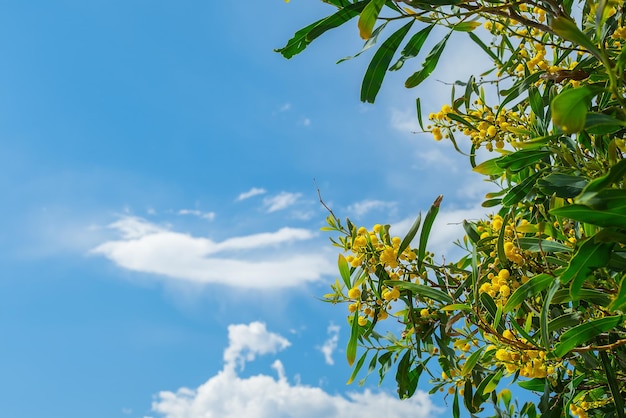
{"points": [[160, 241]]}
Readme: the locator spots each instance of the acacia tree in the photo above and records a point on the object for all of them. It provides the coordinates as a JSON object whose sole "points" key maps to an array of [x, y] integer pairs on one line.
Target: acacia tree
{"points": [[539, 297]]}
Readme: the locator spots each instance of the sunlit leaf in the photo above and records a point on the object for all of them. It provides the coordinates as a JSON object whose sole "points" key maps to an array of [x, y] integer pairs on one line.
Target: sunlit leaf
{"points": [[569, 109], [424, 234], [368, 18]]}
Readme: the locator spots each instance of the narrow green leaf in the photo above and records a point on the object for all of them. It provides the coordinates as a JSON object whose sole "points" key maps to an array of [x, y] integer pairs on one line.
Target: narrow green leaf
{"points": [[421, 290], [537, 245], [429, 64], [590, 255], [466, 26], [377, 68], [368, 44], [536, 384], [471, 362], [344, 271], [418, 107], [620, 300], [357, 368], [456, 410], [615, 174], [562, 185], [528, 290], [612, 217], [306, 35], [521, 159], [584, 333], [413, 47], [410, 234], [568, 30], [614, 385], [354, 336], [569, 109], [543, 318], [520, 191], [368, 18], [471, 232], [489, 168], [428, 224]]}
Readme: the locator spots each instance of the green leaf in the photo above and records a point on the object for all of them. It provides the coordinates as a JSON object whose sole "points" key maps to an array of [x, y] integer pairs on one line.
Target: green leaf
{"points": [[428, 224], [520, 191], [616, 173], [599, 123], [377, 68], [537, 245], [584, 333], [612, 217], [413, 47], [569, 109], [344, 271], [410, 235], [536, 384], [368, 44], [619, 304], [543, 318], [429, 64], [368, 18], [590, 255], [489, 168], [421, 290], [471, 362], [521, 159], [466, 26], [562, 185], [471, 232], [568, 30], [589, 295], [306, 35], [354, 336], [528, 290], [357, 368], [614, 385]]}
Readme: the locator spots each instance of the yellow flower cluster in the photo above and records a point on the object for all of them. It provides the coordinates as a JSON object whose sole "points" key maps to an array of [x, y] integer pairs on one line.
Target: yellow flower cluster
{"points": [[530, 363], [484, 125], [500, 286], [371, 250]]}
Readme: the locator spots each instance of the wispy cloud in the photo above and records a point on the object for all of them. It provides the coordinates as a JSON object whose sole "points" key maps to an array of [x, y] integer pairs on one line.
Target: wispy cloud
{"points": [[264, 260], [204, 215], [281, 201], [330, 345], [255, 191], [226, 395], [361, 208]]}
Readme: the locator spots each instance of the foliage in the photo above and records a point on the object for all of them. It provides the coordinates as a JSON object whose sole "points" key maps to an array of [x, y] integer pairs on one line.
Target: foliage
{"points": [[540, 296]]}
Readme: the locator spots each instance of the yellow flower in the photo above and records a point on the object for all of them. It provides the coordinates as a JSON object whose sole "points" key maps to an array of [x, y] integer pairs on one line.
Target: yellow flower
{"points": [[354, 293], [362, 321]]}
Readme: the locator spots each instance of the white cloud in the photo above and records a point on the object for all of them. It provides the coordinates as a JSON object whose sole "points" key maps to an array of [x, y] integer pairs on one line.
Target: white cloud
{"points": [[306, 122], [250, 193], [361, 208], [285, 107], [226, 395], [246, 341], [265, 260], [281, 201], [330, 345], [404, 120], [204, 215]]}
